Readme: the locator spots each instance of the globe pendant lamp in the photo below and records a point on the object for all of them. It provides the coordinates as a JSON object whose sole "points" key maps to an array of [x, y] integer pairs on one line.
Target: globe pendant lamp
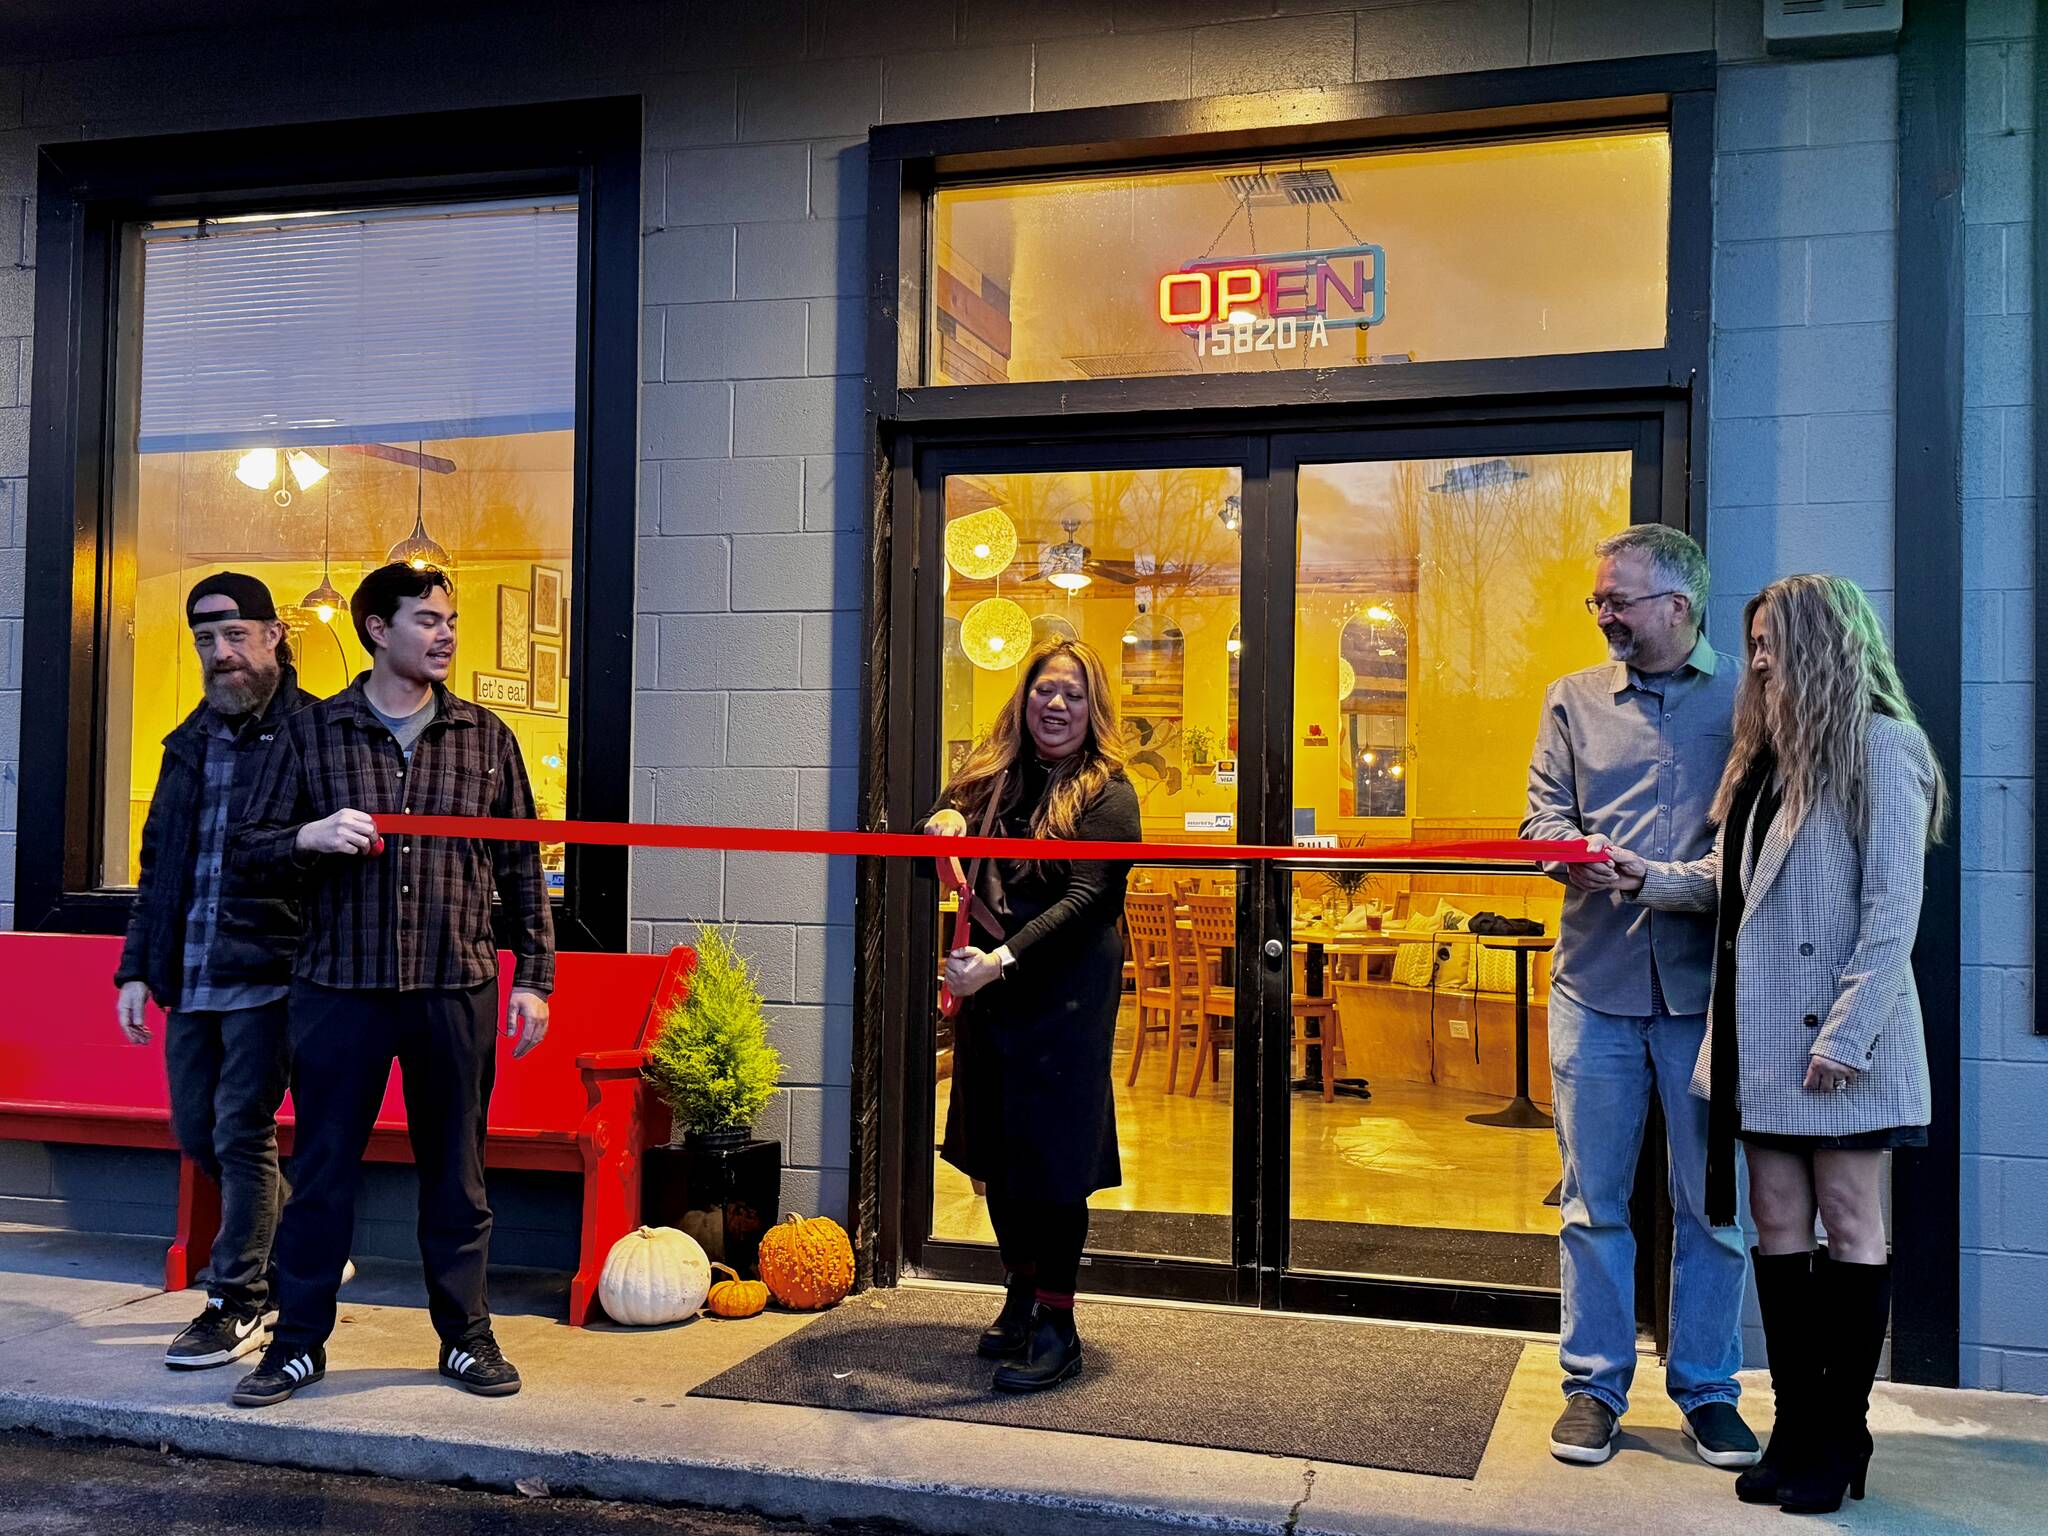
{"points": [[996, 634], [982, 544]]}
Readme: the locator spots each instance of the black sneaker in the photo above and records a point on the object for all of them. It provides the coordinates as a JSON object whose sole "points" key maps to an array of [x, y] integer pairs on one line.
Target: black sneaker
{"points": [[285, 1369], [219, 1334], [1717, 1432], [480, 1366], [1584, 1432]]}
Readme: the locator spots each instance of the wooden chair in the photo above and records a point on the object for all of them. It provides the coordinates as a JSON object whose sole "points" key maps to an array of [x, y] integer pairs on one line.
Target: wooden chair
{"points": [[1165, 983], [1213, 930]]}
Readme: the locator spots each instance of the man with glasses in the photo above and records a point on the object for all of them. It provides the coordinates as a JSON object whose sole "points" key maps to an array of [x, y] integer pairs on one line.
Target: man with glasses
{"points": [[217, 957], [1631, 752]]}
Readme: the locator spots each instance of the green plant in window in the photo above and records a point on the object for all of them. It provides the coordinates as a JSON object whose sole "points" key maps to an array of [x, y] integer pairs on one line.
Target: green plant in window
{"points": [[1350, 881], [1200, 739], [711, 1062]]}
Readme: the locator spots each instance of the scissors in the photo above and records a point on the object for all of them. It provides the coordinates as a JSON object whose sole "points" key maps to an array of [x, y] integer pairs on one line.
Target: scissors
{"points": [[972, 908]]}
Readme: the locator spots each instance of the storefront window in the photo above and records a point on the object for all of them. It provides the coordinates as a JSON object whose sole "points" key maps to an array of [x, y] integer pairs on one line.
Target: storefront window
{"points": [[1519, 248], [306, 397]]}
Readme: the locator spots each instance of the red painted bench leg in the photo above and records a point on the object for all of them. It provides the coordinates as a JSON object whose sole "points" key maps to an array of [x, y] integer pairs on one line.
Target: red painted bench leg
{"points": [[611, 1137], [198, 1223]]}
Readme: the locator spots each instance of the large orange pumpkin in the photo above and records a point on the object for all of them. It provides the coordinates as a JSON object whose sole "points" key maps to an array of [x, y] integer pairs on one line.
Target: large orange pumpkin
{"points": [[735, 1297], [807, 1264]]}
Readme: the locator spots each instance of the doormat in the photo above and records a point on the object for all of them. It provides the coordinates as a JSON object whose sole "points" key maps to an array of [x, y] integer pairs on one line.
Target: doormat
{"points": [[1365, 1394], [1345, 1247]]}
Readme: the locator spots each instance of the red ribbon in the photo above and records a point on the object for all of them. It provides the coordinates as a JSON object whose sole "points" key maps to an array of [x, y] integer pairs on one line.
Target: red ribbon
{"points": [[918, 845]]}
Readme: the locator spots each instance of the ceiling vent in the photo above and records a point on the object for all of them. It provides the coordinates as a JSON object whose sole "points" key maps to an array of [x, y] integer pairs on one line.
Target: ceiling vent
{"points": [[1816, 28]]}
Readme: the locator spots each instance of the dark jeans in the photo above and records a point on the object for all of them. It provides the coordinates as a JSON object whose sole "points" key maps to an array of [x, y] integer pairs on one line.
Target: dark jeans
{"points": [[1041, 1238], [227, 1073], [343, 1044]]}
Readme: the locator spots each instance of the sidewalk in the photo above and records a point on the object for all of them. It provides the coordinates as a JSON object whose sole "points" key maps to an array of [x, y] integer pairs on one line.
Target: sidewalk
{"points": [[604, 1413]]}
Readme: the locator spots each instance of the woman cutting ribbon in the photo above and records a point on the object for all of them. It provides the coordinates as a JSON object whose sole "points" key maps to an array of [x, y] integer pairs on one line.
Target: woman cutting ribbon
{"points": [[1032, 1115]]}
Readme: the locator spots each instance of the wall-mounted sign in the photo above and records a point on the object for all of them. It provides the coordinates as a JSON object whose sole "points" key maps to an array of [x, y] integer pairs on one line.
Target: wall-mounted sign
{"points": [[1208, 821], [1226, 771], [1276, 302], [496, 691]]}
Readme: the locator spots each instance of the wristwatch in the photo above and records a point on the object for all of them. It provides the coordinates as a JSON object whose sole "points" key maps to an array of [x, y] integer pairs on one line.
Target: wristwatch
{"points": [[1005, 960]]}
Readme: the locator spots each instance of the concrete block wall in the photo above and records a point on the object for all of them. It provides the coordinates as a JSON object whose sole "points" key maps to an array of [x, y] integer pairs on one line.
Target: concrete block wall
{"points": [[751, 500], [2005, 1067]]}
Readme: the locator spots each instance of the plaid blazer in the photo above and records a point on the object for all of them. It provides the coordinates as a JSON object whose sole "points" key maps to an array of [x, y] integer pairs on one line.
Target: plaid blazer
{"points": [[1823, 959]]}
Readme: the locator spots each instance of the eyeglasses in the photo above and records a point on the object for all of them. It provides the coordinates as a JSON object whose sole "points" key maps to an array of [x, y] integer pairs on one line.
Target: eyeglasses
{"points": [[1599, 605]]}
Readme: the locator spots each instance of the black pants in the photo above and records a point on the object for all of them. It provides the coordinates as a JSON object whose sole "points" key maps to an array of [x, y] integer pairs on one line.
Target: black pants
{"points": [[1040, 1238], [227, 1074], [343, 1044]]}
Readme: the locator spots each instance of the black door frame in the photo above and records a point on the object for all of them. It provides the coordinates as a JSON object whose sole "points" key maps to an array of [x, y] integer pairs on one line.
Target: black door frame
{"points": [[904, 417], [1268, 454]]}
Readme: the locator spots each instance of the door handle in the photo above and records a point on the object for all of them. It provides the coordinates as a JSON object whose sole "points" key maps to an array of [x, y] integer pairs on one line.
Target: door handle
{"points": [[1274, 950]]}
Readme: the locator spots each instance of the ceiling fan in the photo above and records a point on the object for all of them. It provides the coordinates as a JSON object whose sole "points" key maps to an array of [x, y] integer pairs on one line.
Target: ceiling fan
{"points": [[1070, 565]]}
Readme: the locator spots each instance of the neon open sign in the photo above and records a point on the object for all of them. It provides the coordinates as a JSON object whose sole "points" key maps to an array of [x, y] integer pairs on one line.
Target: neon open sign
{"points": [[1345, 288]]}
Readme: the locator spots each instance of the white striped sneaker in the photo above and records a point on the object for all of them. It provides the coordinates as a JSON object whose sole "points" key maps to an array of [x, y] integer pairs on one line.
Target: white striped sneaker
{"points": [[480, 1366], [285, 1369]]}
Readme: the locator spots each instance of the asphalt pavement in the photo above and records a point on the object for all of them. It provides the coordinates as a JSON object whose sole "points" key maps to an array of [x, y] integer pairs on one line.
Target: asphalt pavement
{"points": [[57, 1487]]}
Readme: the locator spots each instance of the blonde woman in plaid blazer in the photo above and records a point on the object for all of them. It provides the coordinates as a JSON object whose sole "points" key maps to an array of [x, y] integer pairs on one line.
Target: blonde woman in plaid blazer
{"points": [[1815, 1056]]}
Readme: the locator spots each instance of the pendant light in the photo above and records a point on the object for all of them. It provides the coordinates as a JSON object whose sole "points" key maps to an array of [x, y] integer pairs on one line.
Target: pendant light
{"points": [[982, 544], [418, 549], [1061, 563], [996, 634], [325, 600]]}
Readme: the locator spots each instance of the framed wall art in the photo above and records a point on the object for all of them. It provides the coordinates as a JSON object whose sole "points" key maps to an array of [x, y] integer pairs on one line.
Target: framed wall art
{"points": [[547, 677], [547, 600], [515, 627]]}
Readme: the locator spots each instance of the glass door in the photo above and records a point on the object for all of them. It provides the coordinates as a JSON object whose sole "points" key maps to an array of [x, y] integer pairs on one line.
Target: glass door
{"points": [[1136, 552], [1437, 585]]}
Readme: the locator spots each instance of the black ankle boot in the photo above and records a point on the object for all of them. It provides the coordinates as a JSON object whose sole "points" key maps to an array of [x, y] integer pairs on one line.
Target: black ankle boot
{"points": [[1784, 1295], [1052, 1356], [1856, 1301], [1007, 1336]]}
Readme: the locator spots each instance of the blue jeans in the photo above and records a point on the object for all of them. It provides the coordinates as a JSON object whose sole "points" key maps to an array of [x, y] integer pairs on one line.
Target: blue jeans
{"points": [[1603, 1069]]}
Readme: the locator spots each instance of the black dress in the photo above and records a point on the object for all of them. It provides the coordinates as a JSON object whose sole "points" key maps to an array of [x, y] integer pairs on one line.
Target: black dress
{"points": [[1032, 1110]]}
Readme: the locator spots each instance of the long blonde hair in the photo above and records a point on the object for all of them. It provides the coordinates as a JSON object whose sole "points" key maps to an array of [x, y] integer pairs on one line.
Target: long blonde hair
{"points": [[1831, 670], [1077, 778]]}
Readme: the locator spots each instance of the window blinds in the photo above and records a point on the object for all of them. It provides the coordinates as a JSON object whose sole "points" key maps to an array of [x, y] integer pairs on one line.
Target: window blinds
{"points": [[377, 327]]}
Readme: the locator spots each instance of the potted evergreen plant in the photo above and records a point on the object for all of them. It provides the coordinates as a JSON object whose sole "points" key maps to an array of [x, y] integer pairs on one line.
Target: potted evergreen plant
{"points": [[713, 1066]]}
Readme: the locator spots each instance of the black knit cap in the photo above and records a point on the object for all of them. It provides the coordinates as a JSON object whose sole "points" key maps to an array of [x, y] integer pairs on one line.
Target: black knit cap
{"points": [[251, 598]]}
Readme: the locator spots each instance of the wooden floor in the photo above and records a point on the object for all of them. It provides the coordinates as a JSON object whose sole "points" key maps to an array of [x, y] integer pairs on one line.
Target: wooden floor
{"points": [[1406, 1157]]}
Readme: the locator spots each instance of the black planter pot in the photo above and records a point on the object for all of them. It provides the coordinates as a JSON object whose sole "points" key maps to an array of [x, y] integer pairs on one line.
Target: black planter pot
{"points": [[723, 1188]]}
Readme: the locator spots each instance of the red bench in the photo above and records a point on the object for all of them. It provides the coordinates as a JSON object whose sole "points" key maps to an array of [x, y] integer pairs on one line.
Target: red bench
{"points": [[576, 1104]]}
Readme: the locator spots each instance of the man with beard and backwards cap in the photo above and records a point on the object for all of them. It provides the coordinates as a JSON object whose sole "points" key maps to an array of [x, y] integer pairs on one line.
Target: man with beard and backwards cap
{"points": [[217, 956]]}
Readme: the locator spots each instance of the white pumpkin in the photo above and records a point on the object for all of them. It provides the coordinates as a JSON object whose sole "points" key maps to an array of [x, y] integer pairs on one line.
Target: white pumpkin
{"points": [[654, 1275]]}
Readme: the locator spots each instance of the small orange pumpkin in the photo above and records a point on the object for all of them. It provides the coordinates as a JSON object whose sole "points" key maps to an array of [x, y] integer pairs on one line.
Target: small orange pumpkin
{"points": [[807, 1264], [735, 1297]]}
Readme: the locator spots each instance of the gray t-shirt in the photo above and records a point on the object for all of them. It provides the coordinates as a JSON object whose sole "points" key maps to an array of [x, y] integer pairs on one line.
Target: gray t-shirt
{"points": [[407, 728]]}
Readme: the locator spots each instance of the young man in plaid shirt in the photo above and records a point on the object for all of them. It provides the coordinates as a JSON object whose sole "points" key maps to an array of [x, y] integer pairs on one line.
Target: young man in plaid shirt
{"points": [[398, 960]]}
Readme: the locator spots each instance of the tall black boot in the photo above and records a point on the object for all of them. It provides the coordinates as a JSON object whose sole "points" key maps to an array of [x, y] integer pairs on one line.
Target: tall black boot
{"points": [[1053, 1355], [1853, 1302], [1007, 1336], [1784, 1295]]}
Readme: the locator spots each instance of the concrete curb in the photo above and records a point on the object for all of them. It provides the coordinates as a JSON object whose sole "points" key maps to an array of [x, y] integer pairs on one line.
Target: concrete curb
{"points": [[760, 1487]]}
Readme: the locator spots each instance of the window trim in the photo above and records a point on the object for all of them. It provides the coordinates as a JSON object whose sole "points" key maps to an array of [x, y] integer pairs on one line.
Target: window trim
{"points": [[86, 193]]}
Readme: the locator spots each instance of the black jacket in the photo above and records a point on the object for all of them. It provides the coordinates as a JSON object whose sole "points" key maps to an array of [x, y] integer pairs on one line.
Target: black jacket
{"points": [[258, 929]]}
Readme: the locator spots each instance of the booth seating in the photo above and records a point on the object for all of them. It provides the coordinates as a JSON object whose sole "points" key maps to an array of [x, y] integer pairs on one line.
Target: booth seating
{"points": [[1430, 1006], [576, 1104]]}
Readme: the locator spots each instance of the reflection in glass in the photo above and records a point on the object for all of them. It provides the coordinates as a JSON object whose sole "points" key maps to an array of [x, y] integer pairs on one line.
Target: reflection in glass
{"points": [[1323, 261], [1145, 566], [1436, 600], [307, 396]]}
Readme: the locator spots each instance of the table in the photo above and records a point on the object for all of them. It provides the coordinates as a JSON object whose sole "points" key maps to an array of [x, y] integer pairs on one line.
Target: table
{"points": [[1310, 939], [1521, 1112]]}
